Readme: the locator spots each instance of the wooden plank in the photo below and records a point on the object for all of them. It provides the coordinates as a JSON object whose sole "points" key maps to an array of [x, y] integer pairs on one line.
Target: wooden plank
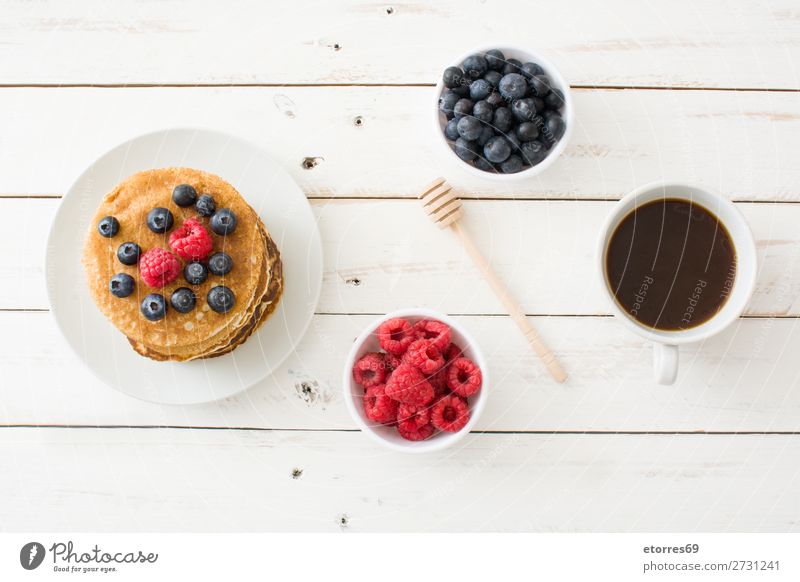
{"points": [[382, 255], [743, 144], [743, 380], [682, 43], [168, 480]]}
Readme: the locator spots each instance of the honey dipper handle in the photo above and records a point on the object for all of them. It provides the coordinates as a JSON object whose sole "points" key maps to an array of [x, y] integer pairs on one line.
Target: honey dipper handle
{"points": [[502, 292]]}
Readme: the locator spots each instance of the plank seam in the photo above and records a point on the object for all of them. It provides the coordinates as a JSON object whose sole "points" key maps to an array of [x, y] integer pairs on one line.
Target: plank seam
{"points": [[410, 197], [355, 430], [578, 87], [377, 314]]}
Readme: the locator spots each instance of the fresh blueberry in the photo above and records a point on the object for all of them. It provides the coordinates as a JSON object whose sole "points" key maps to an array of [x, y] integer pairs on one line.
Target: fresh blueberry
{"points": [[466, 150], [195, 273], [447, 101], [533, 152], [108, 227], [502, 119], [483, 111], [462, 108], [538, 104], [154, 307], [128, 253], [220, 299], [121, 285], [554, 128], [495, 60], [453, 77], [531, 69], [511, 66], [220, 264], [469, 128], [497, 150], [540, 85], [184, 195], [160, 220], [523, 109], [479, 89], [495, 99], [554, 99], [451, 129], [513, 141], [487, 133], [462, 90], [183, 300], [512, 165], [475, 66], [205, 205], [513, 86], [527, 131], [493, 78], [485, 165], [223, 222], [542, 140]]}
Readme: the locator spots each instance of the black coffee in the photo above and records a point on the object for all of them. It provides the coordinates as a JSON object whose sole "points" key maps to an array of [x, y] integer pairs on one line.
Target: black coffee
{"points": [[671, 264]]}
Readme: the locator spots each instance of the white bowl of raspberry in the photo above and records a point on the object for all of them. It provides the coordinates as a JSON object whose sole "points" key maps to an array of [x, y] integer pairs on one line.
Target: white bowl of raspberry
{"points": [[415, 381]]}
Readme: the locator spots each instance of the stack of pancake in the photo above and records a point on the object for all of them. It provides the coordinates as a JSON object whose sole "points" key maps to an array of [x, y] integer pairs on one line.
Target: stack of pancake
{"points": [[256, 278]]}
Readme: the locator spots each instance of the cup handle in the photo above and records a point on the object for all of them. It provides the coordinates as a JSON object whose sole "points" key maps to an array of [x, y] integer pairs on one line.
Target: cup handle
{"points": [[665, 363]]}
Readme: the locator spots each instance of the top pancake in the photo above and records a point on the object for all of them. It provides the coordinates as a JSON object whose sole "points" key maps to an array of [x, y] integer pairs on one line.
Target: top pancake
{"points": [[130, 203]]}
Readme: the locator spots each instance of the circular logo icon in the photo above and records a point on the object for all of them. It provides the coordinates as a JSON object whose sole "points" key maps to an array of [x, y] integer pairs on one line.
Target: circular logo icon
{"points": [[31, 555]]}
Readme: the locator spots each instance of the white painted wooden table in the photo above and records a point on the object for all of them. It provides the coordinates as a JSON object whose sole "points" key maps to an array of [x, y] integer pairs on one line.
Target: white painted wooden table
{"points": [[706, 91]]}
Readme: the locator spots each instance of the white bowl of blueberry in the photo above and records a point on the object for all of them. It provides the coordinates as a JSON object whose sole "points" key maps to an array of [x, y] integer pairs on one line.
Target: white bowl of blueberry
{"points": [[504, 113]]}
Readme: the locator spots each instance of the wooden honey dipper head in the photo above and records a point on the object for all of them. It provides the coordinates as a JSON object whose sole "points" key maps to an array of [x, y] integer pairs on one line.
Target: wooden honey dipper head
{"points": [[441, 204]]}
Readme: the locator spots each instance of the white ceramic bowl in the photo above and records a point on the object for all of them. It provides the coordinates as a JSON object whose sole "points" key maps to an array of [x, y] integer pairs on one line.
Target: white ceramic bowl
{"points": [[525, 56], [388, 435]]}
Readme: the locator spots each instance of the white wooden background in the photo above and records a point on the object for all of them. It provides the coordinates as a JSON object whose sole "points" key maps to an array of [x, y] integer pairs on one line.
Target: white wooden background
{"points": [[707, 91]]}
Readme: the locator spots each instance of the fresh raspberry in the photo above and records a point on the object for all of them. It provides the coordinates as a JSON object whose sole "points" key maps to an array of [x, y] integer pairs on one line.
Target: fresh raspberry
{"points": [[464, 377], [378, 406], [395, 335], [408, 385], [370, 370], [452, 352], [412, 433], [450, 414], [424, 355], [435, 331], [392, 362], [159, 267], [417, 416], [191, 241], [439, 383]]}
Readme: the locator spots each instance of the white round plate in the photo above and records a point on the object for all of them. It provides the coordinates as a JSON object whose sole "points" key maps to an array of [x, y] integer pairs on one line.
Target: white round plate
{"points": [[273, 195]]}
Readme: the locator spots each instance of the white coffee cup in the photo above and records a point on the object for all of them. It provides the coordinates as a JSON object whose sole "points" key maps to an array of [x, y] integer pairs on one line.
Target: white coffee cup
{"points": [[665, 343]]}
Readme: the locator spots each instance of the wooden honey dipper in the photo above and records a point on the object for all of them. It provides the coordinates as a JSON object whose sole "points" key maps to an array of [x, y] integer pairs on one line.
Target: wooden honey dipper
{"points": [[444, 209]]}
